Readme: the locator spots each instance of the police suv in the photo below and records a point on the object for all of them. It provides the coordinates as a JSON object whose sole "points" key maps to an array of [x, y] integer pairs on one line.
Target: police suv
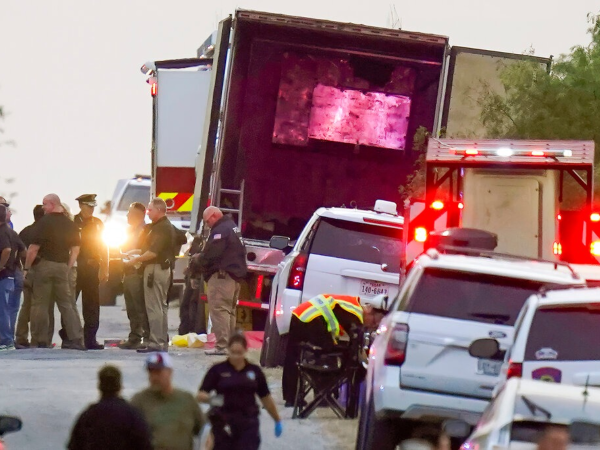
{"points": [[419, 365], [340, 251]]}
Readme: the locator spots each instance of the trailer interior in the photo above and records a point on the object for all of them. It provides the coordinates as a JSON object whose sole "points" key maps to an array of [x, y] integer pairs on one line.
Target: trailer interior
{"points": [[320, 115]]}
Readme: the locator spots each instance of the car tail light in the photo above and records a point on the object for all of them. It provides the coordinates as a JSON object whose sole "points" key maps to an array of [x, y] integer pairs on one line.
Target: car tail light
{"points": [[515, 370], [420, 234], [259, 287], [395, 352], [297, 272]]}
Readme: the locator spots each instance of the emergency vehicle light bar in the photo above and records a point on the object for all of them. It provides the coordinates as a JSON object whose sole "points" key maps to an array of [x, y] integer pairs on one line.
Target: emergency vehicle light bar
{"points": [[485, 151]]}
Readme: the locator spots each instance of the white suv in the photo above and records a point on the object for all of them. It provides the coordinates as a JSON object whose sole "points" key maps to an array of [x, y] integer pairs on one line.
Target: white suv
{"points": [[340, 251], [419, 366], [552, 338]]}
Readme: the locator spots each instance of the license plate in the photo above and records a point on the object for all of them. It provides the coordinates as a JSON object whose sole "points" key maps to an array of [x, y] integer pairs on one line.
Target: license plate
{"points": [[372, 288], [487, 367]]}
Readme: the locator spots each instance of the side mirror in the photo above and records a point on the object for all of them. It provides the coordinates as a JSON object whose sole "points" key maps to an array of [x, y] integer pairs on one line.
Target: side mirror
{"points": [[9, 424], [456, 428], [279, 242], [378, 302], [484, 348]]}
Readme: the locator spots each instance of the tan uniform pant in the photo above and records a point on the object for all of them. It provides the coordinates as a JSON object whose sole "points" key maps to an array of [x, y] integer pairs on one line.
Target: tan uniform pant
{"points": [[222, 295], [155, 298], [50, 283]]}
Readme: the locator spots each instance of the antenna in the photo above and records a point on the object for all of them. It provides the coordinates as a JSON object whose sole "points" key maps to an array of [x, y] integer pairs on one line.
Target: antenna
{"points": [[393, 19], [586, 393]]}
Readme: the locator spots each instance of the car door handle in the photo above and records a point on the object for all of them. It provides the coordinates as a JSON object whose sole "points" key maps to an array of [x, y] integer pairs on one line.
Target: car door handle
{"points": [[487, 387]]}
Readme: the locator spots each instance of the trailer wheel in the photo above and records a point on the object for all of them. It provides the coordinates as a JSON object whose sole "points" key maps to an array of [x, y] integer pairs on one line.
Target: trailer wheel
{"points": [[272, 353]]}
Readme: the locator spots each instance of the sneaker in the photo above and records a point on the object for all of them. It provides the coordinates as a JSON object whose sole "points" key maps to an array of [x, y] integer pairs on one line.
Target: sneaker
{"points": [[5, 347], [216, 352]]}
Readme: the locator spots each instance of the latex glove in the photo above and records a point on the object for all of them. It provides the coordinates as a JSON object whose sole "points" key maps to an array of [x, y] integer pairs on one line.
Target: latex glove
{"points": [[278, 429], [216, 401]]}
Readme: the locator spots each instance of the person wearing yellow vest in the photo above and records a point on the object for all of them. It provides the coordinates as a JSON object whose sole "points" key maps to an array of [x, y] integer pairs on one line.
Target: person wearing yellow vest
{"points": [[319, 321]]}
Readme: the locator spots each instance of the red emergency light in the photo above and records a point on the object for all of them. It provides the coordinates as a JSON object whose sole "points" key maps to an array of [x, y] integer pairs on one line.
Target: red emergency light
{"points": [[471, 152], [559, 217], [595, 248], [421, 234], [461, 205], [438, 205], [595, 217], [154, 89], [538, 153], [557, 248]]}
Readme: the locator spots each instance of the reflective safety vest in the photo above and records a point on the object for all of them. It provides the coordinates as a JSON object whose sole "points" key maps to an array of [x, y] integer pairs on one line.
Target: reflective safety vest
{"points": [[323, 305]]}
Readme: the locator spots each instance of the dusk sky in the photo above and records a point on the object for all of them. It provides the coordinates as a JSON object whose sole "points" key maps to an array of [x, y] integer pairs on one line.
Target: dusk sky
{"points": [[79, 110]]}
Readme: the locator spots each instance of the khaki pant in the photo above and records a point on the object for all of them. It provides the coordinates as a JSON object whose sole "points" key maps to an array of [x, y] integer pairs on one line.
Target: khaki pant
{"points": [[22, 329], [222, 295], [155, 298], [50, 283], [73, 289], [133, 290]]}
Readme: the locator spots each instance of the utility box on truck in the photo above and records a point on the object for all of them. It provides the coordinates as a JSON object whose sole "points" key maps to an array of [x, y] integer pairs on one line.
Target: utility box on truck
{"points": [[518, 206]]}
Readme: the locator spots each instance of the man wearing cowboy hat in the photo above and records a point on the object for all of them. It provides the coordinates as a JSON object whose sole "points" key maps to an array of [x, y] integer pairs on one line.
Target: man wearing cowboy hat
{"points": [[92, 267]]}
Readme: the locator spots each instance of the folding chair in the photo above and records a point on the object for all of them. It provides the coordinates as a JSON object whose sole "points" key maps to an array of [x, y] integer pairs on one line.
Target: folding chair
{"points": [[324, 373]]}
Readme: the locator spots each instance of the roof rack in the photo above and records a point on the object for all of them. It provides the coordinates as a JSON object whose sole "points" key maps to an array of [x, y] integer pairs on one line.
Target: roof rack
{"points": [[543, 290], [508, 256]]}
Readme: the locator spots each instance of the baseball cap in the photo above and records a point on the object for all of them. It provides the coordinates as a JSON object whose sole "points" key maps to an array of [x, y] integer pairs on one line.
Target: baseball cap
{"points": [[159, 360]]}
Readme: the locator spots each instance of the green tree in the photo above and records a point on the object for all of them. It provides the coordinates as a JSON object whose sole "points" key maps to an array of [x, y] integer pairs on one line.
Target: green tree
{"points": [[561, 104]]}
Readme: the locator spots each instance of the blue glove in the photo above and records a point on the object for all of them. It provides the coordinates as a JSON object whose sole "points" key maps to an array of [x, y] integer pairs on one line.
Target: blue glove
{"points": [[278, 429]]}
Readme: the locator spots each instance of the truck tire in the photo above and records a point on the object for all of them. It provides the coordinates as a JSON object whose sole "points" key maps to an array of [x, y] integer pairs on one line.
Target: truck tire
{"points": [[375, 433], [274, 345]]}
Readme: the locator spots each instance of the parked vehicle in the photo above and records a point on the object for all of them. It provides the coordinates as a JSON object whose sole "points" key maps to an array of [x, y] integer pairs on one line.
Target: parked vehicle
{"points": [[419, 366], [8, 424], [549, 343], [525, 409], [340, 250]]}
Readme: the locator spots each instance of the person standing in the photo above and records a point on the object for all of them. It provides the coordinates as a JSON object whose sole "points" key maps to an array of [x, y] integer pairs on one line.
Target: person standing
{"points": [[192, 316], [238, 383], [22, 328], [173, 415], [133, 280], [112, 423], [157, 249], [11, 251], [92, 267], [56, 241], [223, 263]]}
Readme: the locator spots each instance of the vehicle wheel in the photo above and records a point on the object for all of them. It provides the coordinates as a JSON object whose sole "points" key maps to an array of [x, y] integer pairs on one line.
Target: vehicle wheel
{"points": [[272, 353], [374, 433]]}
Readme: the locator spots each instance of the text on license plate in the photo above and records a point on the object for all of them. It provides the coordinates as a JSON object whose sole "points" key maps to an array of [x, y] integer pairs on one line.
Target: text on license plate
{"points": [[488, 367], [372, 288]]}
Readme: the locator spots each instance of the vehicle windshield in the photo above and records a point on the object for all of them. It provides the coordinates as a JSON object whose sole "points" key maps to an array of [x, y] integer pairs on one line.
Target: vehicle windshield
{"points": [[561, 409], [471, 296], [576, 325], [134, 193], [358, 242]]}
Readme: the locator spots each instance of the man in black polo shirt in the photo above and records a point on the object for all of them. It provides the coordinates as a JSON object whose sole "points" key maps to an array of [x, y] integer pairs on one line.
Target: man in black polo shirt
{"points": [[22, 329], [157, 254], [56, 242]]}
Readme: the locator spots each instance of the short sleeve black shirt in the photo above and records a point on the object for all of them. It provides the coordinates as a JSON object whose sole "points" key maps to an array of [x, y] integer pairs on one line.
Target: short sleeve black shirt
{"points": [[27, 234], [10, 239], [239, 389], [159, 240], [56, 234]]}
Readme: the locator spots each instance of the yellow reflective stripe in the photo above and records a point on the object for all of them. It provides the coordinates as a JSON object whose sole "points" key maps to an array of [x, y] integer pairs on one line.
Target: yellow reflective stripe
{"points": [[353, 309], [325, 307], [167, 195], [187, 206], [309, 314]]}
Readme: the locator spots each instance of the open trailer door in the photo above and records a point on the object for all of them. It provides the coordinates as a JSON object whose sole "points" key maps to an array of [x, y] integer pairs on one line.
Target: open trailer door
{"points": [[208, 143], [470, 73]]}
